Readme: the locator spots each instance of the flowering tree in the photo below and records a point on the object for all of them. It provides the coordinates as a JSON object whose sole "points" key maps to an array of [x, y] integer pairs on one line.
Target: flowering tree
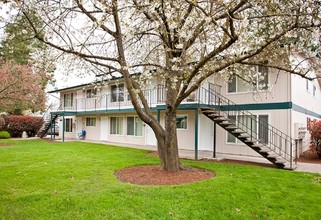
{"points": [[21, 88], [315, 132], [182, 41]]}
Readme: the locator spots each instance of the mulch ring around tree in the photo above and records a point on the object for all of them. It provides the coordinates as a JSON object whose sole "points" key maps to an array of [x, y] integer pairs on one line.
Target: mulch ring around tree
{"points": [[153, 175]]}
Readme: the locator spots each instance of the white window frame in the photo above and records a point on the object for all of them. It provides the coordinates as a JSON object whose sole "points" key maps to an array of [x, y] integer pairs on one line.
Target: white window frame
{"points": [[91, 121], [119, 125], [68, 99], [238, 80], [236, 140], [68, 126], [135, 126], [117, 93], [182, 116], [91, 93], [314, 90]]}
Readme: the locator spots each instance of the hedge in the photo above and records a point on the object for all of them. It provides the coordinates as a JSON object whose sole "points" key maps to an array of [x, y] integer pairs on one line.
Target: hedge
{"points": [[16, 124]]}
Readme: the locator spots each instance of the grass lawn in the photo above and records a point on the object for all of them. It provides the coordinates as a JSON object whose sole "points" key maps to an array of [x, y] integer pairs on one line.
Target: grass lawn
{"points": [[74, 180]]}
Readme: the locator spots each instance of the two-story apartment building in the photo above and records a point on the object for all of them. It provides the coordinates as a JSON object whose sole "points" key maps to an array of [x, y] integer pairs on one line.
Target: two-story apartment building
{"points": [[283, 104]]}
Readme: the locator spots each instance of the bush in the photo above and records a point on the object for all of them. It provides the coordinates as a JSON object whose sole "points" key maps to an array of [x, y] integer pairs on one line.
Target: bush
{"points": [[315, 132], [16, 124], [4, 135]]}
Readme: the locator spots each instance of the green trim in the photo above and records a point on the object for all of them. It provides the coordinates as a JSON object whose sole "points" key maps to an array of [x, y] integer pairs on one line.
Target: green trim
{"points": [[193, 106], [260, 106], [300, 109]]}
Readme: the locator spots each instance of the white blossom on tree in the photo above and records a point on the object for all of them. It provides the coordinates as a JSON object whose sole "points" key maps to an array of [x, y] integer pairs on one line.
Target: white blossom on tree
{"points": [[183, 42]]}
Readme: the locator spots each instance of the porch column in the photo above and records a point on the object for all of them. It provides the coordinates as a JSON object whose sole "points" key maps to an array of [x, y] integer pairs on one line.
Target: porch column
{"points": [[50, 124], [214, 141], [196, 134], [158, 115], [63, 128]]}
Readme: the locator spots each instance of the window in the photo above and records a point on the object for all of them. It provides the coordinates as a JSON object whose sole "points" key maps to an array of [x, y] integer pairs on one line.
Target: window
{"points": [[116, 125], [68, 100], [68, 125], [90, 93], [256, 125], [307, 85], [91, 122], [260, 81], [117, 93], [134, 126], [181, 122], [314, 90]]}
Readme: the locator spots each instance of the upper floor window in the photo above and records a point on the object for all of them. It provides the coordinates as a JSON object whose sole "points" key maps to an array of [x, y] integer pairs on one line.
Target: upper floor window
{"points": [[90, 93], [260, 81], [314, 90], [91, 122], [68, 100], [117, 93], [307, 85]]}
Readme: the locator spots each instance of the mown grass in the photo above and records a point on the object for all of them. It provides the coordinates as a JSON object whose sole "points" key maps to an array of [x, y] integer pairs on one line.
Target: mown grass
{"points": [[74, 180]]}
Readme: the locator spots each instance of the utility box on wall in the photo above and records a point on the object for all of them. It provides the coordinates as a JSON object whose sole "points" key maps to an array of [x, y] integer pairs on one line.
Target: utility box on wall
{"points": [[299, 131]]}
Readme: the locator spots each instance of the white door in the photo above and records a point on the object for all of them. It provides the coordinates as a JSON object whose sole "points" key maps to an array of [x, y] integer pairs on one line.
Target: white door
{"points": [[79, 126], [150, 136], [104, 129]]}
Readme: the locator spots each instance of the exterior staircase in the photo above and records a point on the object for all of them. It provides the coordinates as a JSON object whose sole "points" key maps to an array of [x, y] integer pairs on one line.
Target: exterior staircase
{"points": [[48, 121], [274, 145]]}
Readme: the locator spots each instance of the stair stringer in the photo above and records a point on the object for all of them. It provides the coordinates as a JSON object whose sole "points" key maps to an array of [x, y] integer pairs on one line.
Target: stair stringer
{"points": [[261, 148]]}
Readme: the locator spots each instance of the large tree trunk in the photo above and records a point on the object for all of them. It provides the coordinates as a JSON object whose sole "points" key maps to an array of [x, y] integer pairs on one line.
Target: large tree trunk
{"points": [[167, 145]]}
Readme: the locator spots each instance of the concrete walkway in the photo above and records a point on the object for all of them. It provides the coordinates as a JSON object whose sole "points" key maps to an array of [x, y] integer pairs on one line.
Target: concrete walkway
{"points": [[189, 154]]}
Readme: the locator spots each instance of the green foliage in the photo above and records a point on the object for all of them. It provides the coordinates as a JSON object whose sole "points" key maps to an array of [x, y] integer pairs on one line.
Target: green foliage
{"points": [[315, 132], [16, 124], [4, 135], [75, 180], [20, 43]]}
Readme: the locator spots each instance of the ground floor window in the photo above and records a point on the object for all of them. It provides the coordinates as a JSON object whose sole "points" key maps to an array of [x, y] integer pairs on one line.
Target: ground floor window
{"points": [[116, 125], [91, 122], [181, 122], [256, 125], [134, 126], [68, 125]]}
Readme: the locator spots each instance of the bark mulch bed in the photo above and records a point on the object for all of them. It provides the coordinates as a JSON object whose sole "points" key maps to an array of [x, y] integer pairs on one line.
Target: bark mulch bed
{"points": [[309, 156], [152, 175]]}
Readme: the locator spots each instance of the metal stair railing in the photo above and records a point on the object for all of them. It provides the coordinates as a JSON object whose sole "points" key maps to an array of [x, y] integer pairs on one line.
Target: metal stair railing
{"points": [[274, 139], [47, 120]]}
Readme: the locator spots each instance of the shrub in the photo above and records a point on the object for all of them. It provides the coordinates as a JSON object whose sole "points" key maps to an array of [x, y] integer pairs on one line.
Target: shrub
{"points": [[315, 132], [16, 124], [4, 135], [2, 123]]}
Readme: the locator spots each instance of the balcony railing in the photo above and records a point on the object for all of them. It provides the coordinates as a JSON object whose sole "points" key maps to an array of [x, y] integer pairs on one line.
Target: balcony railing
{"points": [[120, 100]]}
